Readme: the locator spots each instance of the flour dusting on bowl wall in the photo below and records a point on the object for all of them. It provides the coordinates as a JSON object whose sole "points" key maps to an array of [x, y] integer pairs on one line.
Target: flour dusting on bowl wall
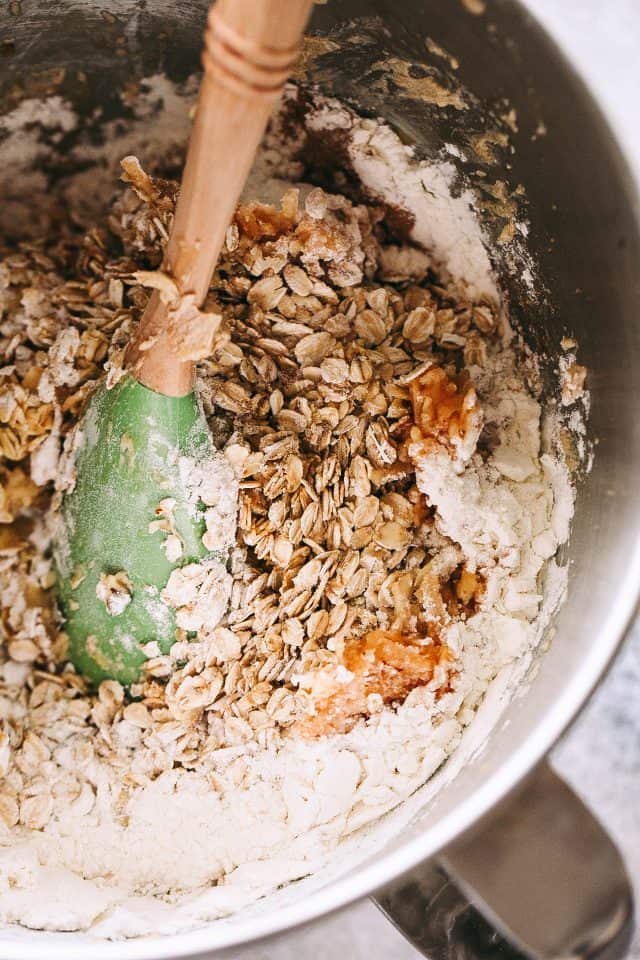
{"points": [[401, 483]]}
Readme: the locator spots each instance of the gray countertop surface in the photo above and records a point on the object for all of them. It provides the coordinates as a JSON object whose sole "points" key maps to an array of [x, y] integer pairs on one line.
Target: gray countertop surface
{"points": [[600, 756]]}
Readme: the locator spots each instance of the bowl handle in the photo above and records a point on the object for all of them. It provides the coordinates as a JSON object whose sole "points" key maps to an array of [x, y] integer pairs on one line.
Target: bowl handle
{"points": [[539, 878]]}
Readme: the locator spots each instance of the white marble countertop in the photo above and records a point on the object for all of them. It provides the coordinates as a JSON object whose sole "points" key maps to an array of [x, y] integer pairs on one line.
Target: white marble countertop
{"points": [[600, 756]]}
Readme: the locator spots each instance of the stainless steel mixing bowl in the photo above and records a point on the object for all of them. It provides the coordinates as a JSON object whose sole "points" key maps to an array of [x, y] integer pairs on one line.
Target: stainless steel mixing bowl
{"points": [[505, 830]]}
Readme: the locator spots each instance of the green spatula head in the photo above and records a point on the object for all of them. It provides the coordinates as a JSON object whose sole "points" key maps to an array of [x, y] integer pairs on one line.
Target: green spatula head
{"points": [[130, 520]]}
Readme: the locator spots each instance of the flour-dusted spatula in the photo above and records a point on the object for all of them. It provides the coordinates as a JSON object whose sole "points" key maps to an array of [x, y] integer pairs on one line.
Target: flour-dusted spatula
{"points": [[140, 442]]}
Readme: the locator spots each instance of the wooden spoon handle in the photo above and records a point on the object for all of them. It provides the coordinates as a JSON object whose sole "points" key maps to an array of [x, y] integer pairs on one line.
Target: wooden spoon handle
{"points": [[250, 48]]}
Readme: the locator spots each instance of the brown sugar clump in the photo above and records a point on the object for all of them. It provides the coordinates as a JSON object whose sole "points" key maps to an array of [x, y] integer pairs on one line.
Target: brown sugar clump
{"points": [[383, 664], [446, 413], [469, 589], [261, 221]]}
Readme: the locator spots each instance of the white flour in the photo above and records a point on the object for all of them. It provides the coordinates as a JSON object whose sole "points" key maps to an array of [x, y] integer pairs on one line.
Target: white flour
{"points": [[447, 226], [191, 846]]}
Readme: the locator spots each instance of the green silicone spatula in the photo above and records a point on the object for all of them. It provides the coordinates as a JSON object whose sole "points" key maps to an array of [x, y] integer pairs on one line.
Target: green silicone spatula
{"points": [[139, 442]]}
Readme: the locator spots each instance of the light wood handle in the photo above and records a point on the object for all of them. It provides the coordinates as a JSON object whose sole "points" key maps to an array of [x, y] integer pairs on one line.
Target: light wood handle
{"points": [[250, 48]]}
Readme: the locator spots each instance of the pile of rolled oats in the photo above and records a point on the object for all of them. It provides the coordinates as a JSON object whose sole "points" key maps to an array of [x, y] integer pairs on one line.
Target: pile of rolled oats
{"points": [[338, 363], [309, 392]]}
